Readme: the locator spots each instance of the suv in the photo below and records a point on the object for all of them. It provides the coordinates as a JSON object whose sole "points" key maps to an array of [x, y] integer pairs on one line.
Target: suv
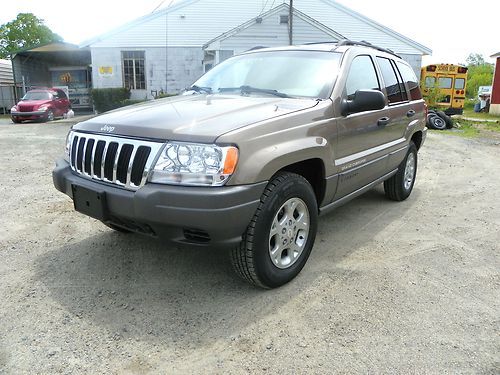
{"points": [[41, 105], [252, 153]]}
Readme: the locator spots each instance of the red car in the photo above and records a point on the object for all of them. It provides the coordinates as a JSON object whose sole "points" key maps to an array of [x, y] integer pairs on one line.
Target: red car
{"points": [[41, 105]]}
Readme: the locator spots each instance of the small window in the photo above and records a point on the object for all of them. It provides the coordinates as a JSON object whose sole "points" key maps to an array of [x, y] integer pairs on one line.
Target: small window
{"points": [[445, 82], [459, 83], [362, 76], [396, 92], [61, 94], [430, 82], [284, 20], [134, 73], [411, 80]]}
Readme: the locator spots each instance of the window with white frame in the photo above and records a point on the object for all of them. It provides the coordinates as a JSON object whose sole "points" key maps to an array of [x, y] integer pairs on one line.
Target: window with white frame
{"points": [[134, 74]]}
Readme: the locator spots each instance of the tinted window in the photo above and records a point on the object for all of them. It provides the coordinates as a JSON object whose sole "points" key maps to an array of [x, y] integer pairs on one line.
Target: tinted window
{"points": [[459, 83], [61, 94], [362, 76], [395, 92], [411, 80], [37, 95], [445, 82]]}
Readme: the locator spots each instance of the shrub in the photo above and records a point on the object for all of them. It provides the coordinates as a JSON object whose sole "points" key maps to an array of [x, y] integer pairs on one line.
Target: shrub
{"points": [[164, 95], [108, 99]]}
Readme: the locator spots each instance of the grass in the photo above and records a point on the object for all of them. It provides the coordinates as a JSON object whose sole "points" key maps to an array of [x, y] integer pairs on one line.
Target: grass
{"points": [[484, 116], [467, 129]]}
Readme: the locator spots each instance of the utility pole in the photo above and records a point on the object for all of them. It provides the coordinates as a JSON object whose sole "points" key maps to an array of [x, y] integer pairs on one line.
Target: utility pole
{"points": [[290, 23]]}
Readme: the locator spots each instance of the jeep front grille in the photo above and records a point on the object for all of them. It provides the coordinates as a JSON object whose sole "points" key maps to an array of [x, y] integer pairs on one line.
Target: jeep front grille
{"points": [[114, 160]]}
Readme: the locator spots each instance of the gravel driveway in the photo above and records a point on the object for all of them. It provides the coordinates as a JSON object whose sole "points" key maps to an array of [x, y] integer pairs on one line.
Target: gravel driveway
{"points": [[411, 287]]}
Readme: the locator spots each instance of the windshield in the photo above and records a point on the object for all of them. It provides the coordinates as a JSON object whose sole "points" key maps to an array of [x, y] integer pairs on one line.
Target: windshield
{"points": [[287, 73], [37, 95]]}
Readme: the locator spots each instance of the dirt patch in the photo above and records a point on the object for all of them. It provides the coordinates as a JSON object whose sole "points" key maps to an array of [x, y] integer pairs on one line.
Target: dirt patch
{"points": [[389, 287]]}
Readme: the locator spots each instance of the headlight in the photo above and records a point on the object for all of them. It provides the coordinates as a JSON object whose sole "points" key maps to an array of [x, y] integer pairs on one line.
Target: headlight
{"points": [[13, 109], [43, 108], [194, 164], [67, 147]]}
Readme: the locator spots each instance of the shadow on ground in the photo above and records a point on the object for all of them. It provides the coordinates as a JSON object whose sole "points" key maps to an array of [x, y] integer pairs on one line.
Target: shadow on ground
{"points": [[139, 288]]}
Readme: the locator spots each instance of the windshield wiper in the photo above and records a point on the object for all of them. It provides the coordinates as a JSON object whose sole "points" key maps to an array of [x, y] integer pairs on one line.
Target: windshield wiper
{"points": [[200, 89], [250, 89]]}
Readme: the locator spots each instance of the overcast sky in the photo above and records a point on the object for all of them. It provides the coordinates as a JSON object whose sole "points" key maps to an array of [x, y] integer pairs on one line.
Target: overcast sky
{"points": [[451, 33]]}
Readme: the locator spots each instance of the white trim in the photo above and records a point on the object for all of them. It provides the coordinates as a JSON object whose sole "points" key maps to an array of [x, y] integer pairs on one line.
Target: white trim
{"points": [[364, 154]]}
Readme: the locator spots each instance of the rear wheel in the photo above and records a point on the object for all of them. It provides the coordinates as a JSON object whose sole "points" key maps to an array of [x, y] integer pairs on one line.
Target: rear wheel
{"points": [[281, 235], [399, 186]]}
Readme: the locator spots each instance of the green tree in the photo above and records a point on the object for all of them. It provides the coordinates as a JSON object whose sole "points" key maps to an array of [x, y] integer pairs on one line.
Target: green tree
{"points": [[480, 73], [25, 31], [474, 59]]}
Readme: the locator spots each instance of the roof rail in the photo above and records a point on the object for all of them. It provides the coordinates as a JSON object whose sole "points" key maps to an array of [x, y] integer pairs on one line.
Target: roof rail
{"points": [[364, 43]]}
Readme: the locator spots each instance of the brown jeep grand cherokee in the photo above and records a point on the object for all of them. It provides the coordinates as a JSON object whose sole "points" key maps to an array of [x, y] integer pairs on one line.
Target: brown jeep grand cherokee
{"points": [[253, 152]]}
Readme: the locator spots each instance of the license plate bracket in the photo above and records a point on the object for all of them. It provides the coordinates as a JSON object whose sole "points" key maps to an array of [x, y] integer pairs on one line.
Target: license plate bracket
{"points": [[89, 202]]}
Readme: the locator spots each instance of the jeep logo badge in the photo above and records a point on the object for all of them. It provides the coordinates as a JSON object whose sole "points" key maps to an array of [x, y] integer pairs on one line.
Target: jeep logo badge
{"points": [[107, 129]]}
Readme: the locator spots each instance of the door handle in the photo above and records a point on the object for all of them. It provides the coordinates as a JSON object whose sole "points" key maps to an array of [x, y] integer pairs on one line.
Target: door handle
{"points": [[410, 113], [383, 121]]}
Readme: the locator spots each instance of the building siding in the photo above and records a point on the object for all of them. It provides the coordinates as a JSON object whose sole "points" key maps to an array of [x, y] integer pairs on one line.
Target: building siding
{"points": [[183, 67], [201, 21], [270, 33]]}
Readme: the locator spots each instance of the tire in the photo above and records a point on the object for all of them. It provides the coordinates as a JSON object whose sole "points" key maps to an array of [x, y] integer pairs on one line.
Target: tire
{"points": [[116, 228], [15, 121], [447, 119], [436, 122], [400, 186], [50, 116], [264, 257]]}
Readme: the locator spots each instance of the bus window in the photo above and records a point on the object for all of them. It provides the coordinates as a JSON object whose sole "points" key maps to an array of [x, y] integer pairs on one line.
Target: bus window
{"points": [[430, 81], [445, 82], [459, 83]]}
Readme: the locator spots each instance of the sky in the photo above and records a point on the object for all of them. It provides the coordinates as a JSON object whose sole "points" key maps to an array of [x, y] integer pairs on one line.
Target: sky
{"points": [[451, 32]]}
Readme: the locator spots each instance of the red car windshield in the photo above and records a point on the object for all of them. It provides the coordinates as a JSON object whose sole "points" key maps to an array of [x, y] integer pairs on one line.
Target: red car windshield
{"points": [[37, 95]]}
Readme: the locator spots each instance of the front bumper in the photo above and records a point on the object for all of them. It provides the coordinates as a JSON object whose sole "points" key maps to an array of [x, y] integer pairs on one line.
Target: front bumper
{"points": [[206, 216], [28, 114]]}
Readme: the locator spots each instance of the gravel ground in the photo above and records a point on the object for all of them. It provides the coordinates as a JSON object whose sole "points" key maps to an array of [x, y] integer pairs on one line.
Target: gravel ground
{"points": [[411, 287]]}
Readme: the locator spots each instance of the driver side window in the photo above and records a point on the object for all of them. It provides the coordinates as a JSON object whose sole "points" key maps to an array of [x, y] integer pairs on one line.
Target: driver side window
{"points": [[362, 76]]}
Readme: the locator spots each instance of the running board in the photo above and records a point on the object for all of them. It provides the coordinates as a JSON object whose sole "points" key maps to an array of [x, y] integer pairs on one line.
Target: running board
{"points": [[331, 206]]}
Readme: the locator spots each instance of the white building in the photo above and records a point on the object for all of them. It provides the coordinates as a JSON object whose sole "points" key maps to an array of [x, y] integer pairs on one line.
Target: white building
{"points": [[7, 99], [167, 50]]}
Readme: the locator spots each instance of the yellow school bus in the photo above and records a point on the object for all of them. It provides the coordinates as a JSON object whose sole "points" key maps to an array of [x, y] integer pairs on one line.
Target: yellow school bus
{"points": [[451, 81]]}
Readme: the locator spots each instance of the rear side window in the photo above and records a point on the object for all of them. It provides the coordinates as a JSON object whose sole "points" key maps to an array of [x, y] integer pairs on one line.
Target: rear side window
{"points": [[61, 94], [362, 76], [411, 81], [396, 92]]}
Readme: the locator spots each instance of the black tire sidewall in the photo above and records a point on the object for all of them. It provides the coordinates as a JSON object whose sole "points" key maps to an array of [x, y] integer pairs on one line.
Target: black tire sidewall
{"points": [[405, 193], [268, 274], [432, 122]]}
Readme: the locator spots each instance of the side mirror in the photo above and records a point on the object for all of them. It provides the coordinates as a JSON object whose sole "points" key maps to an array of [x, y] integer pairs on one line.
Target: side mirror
{"points": [[364, 100]]}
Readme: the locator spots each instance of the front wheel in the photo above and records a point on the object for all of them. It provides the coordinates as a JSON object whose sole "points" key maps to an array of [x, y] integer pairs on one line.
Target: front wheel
{"points": [[281, 235], [49, 116], [399, 186]]}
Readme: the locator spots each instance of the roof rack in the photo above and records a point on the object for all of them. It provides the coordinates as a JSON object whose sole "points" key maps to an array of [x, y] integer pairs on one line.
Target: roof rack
{"points": [[364, 43]]}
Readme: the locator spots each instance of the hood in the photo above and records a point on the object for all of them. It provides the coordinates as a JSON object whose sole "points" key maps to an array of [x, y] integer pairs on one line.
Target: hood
{"points": [[32, 103], [197, 118]]}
